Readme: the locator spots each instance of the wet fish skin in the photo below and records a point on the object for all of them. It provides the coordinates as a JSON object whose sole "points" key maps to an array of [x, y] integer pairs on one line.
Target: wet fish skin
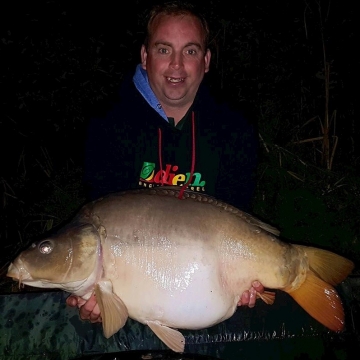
{"points": [[178, 264]]}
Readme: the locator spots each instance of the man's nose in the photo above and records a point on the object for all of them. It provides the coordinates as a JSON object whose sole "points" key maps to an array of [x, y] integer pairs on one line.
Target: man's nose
{"points": [[176, 60]]}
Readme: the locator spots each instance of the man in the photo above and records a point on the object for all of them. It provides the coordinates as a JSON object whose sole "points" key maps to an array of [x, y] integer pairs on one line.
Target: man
{"points": [[168, 130]]}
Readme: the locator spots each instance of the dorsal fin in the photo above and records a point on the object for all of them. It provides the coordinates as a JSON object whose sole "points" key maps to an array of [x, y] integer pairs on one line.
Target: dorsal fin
{"points": [[200, 197]]}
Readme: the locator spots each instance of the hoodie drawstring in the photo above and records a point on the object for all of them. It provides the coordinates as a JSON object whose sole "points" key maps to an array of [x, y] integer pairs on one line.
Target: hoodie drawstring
{"points": [[160, 155], [181, 193], [193, 156]]}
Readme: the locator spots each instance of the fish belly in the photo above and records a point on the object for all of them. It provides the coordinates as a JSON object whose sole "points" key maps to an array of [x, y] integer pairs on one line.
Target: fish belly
{"points": [[173, 287]]}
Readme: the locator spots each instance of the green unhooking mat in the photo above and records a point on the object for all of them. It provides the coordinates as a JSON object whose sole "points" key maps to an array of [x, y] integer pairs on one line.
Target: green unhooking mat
{"points": [[39, 325]]}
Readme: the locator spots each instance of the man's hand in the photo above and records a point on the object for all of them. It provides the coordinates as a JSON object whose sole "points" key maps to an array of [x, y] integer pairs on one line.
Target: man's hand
{"points": [[88, 309], [249, 296]]}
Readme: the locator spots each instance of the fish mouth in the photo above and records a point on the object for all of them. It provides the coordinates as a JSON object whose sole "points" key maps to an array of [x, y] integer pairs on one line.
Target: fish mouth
{"points": [[18, 273]]}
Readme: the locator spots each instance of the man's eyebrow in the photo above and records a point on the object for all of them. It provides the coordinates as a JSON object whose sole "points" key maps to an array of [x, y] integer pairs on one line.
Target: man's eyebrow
{"points": [[196, 44], [162, 43]]}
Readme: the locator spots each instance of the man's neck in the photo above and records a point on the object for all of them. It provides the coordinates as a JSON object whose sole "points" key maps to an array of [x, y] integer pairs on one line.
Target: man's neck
{"points": [[176, 113]]}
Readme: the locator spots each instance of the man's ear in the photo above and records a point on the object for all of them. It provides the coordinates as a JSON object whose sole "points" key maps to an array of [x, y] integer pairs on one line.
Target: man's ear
{"points": [[143, 54], [207, 60]]}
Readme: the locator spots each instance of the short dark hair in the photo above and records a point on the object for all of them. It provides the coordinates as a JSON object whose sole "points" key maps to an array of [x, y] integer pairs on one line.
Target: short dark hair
{"points": [[176, 8]]}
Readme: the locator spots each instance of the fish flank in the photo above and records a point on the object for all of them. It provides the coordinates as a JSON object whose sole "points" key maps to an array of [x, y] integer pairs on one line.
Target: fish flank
{"points": [[173, 191]]}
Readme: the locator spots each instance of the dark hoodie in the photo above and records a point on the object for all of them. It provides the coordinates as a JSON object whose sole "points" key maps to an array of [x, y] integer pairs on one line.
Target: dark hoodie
{"points": [[134, 146]]}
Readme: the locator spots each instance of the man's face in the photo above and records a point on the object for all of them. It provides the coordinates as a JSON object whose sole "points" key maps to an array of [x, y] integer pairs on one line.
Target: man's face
{"points": [[176, 60]]}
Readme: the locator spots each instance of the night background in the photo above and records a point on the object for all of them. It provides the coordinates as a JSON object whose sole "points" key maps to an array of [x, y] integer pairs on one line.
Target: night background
{"points": [[291, 64]]}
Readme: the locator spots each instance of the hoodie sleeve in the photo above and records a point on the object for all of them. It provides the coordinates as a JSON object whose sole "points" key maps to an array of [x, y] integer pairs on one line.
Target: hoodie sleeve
{"points": [[236, 181], [114, 144], [109, 156]]}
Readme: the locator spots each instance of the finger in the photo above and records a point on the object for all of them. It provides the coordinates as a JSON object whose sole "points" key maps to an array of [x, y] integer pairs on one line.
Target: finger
{"points": [[252, 298], [72, 301], [95, 314], [245, 297], [87, 308], [81, 302], [258, 286]]}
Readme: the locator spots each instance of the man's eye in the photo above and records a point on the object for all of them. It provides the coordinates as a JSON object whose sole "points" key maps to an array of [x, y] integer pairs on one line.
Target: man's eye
{"points": [[163, 51], [191, 52]]}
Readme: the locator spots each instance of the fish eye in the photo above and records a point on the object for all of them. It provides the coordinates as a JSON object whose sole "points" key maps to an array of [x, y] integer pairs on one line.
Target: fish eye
{"points": [[46, 247]]}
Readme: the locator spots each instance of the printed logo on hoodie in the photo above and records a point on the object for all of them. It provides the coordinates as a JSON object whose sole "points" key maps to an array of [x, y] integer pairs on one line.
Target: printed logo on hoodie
{"points": [[170, 176]]}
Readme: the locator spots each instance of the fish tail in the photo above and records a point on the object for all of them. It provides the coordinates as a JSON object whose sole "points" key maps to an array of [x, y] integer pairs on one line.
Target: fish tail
{"points": [[330, 267], [317, 294]]}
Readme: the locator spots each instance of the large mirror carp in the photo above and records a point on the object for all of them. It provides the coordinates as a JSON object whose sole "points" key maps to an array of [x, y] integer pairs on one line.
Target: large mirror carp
{"points": [[174, 263]]}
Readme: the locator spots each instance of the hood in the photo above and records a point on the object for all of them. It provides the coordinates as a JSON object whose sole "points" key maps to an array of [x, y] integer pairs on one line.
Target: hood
{"points": [[141, 83]]}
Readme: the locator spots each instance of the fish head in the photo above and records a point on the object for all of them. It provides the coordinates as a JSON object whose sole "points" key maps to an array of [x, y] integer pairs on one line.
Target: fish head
{"points": [[69, 260]]}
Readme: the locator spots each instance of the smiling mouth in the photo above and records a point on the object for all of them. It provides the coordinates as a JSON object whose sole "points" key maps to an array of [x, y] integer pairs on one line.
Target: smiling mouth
{"points": [[175, 80]]}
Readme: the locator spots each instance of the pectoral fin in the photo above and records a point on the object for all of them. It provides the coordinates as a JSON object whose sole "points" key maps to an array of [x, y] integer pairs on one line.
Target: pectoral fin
{"points": [[267, 296], [170, 337], [114, 313]]}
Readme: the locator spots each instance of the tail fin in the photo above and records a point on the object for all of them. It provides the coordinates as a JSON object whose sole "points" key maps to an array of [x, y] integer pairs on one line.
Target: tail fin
{"points": [[317, 295], [329, 266]]}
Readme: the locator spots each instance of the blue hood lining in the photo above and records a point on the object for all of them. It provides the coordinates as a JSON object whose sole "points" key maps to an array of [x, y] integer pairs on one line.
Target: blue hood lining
{"points": [[141, 82]]}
